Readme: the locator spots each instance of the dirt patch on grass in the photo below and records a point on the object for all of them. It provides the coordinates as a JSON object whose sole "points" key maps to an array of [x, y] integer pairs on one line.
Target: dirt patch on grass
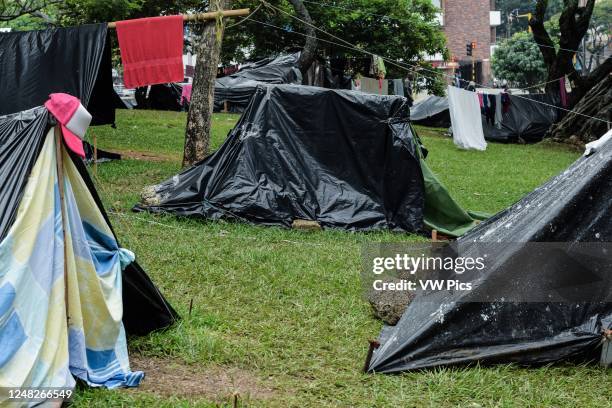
{"points": [[147, 156], [167, 377]]}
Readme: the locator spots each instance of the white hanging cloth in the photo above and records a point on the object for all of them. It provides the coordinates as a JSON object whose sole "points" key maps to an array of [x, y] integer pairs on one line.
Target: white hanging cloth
{"points": [[464, 111]]}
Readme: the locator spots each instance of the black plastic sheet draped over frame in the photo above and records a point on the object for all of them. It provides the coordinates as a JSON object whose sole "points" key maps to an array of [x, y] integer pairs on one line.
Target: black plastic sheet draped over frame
{"points": [[345, 159], [74, 60], [573, 207]]}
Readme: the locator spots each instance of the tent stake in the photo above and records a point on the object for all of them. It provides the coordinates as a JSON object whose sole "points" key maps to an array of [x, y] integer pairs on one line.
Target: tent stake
{"points": [[374, 344], [95, 155], [205, 16], [60, 186]]}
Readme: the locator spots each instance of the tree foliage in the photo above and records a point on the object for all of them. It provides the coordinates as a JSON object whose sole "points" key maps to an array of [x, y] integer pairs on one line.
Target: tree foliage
{"points": [[574, 22], [13, 9], [403, 30], [518, 60], [598, 37]]}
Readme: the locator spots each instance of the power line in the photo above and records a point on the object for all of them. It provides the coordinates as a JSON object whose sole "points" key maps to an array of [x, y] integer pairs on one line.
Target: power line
{"points": [[401, 65]]}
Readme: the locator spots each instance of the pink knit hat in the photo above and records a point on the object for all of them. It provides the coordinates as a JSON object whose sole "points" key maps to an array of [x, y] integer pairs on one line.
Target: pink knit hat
{"points": [[73, 117]]}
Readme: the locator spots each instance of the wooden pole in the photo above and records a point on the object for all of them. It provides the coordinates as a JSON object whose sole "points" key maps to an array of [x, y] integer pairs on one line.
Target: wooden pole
{"points": [[95, 155], [206, 16], [60, 185]]}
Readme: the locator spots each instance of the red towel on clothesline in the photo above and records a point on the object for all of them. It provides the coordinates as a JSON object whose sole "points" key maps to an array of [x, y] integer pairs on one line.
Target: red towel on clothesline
{"points": [[151, 50]]}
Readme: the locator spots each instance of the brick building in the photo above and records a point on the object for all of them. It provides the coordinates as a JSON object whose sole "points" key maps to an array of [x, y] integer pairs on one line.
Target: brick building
{"points": [[463, 22]]}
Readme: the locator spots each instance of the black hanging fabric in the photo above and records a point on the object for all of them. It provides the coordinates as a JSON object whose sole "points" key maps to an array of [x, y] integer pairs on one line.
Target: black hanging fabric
{"points": [[73, 60]]}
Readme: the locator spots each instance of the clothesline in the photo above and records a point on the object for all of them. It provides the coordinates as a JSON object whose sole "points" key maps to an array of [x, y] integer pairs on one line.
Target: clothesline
{"points": [[211, 15], [401, 65]]}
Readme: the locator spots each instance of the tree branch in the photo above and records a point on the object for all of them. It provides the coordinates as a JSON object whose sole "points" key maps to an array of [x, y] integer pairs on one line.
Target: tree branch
{"points": [[540, 35], [16, 8], [602, 71], [310, 46]]}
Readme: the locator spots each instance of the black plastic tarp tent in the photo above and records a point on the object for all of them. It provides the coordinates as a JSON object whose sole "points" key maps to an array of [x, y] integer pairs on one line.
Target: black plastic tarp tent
{"points": [[62, 60], [345, 159], [457, 328], [238, 88], [431, 111], [160, 97], [526, 120]]}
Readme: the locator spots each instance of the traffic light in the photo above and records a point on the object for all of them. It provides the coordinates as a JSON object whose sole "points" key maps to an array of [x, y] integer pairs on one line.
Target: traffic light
{"points": [[470, 47]]}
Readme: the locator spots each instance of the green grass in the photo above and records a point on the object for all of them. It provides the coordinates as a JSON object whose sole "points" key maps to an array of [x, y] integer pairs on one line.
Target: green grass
{"points": [[287, 307]]}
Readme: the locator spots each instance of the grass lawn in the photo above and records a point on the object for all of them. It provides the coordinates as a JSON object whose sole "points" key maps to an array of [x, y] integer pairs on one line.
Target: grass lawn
{"points": [[278, 315]]}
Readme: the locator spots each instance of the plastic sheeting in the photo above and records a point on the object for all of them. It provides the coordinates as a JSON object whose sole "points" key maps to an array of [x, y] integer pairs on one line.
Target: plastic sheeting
{"points": [[345, 159], [21, 138], [160, 97], [465, 118], [525, 119], [574, 206], [74, 60], [431, 111], [238, 88]]}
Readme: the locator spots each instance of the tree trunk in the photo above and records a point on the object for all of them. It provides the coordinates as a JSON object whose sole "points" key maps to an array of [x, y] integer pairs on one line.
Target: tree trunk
{"points": [[578, 129], [199, 118], [310, 47], [573, 25]]}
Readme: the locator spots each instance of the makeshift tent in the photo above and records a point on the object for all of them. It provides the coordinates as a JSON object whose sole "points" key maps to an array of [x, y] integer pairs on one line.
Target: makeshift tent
{"points": [[431, 111], [526, 120], [160, 97], [42, 241], [59, 257], [458, 327], [345, 159], [238, 88]]}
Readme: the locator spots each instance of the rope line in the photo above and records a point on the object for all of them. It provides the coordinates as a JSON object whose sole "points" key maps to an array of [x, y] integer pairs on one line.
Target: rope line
{"points": [[405, 21], [401, 65]]}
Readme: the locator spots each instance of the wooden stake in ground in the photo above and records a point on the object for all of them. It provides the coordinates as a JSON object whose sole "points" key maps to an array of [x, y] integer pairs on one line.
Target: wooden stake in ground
{"points": [[199, 118]]}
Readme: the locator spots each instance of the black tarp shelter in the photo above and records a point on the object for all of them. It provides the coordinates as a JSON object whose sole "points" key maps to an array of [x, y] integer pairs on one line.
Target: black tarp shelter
{"points": [[525, 121], [160, 97], [431, 111], [345, 159], [459, 328], [69, 60], [238, 88]]}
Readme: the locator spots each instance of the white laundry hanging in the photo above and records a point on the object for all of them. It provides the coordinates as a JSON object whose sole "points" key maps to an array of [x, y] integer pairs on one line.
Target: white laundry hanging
{"points": [[464, 111]]}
